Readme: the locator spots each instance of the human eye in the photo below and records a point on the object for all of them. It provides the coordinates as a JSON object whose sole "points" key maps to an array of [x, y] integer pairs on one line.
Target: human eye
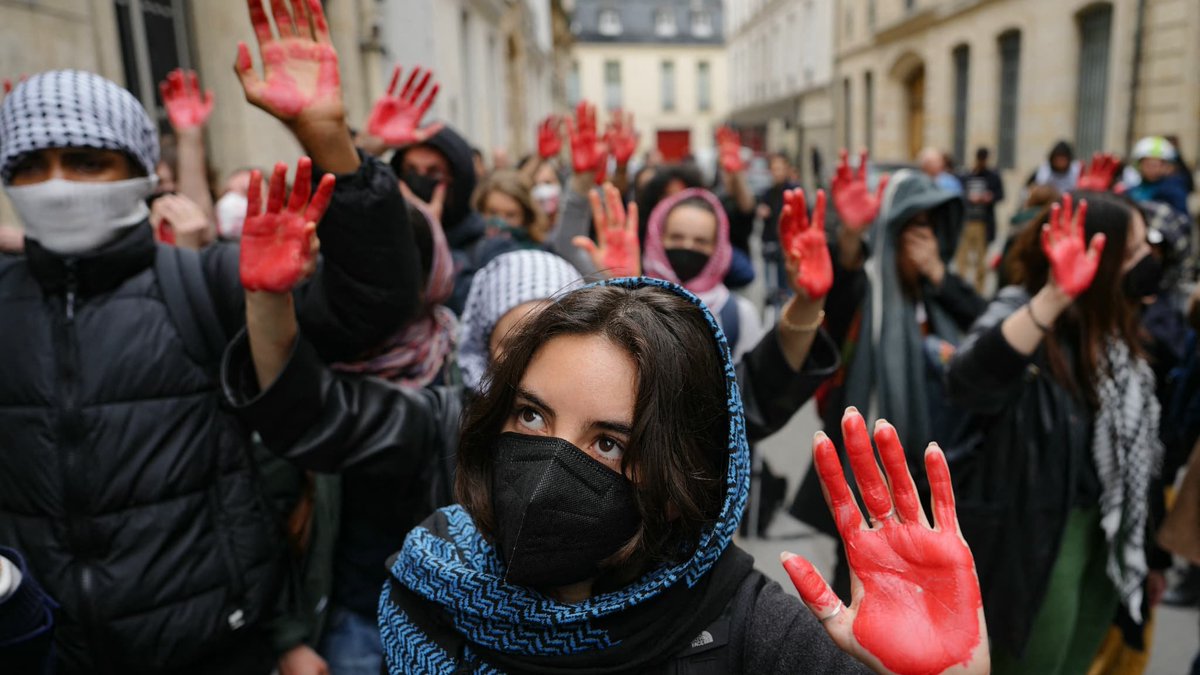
{"points": [[609, 448], [529, 418]]}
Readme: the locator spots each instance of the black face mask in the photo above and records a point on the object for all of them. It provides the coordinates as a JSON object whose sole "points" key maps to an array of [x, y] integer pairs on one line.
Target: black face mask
{"points": [[559, 513], [1143, 279], [686, 262], [422, 186]]}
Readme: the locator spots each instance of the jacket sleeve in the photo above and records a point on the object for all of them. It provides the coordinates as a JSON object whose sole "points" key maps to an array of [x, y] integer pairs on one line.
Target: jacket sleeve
{"points": [[771, 391], [986, 372], [959, 299], [327, 422], [845, 298], [368, 281], [784, 638], [26, 617]]}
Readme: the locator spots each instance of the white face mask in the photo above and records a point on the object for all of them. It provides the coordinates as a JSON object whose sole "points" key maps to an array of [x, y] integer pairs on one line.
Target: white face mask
{"points": [[72, 217], [546, 195], [231, 213]]}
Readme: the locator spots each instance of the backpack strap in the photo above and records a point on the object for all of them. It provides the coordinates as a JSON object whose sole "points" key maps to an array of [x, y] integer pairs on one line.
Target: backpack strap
{"points": [[731, 322], [190, 304]]}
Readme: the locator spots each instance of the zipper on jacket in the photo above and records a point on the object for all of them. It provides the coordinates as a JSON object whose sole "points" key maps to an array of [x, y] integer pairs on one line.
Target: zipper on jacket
{"points": [[75, 474]]}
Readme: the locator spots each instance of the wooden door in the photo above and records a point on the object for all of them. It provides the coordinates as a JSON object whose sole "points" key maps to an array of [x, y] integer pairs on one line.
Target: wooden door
{"points": [[674, 144], [916, 112]]}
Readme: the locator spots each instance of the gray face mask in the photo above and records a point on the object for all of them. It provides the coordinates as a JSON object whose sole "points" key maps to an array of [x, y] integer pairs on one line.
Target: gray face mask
{"points": [[73, 217]]}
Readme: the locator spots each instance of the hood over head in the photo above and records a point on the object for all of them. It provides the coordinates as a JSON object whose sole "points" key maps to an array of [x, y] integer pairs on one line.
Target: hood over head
{"points": [[457, 152], [654, 257], [911, 192]]}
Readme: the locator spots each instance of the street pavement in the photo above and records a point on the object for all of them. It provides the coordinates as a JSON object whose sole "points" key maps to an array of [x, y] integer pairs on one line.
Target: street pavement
{"points": [[1176, 634]]}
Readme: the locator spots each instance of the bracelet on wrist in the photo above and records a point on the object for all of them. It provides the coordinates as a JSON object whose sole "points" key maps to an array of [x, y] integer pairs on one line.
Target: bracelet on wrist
{"points": [[1040, 326], [799, 328]]}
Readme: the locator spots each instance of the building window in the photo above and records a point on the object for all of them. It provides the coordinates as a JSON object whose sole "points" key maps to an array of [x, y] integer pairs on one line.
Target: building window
{"points": [[612, 84], [703, 86], [664, 23], [573, 94], [609, 22], [849, 26], [871, 15], [910, 5], [1095, 35], [667, 77], [1010, 74], [847, 116], [869, 111], [154, 41], [702, 24], [962, 70]]}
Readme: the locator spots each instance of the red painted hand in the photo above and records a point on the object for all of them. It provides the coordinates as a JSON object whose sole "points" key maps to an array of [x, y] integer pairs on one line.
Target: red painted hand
{"points": [[855, 205], [300, 82], [729, 148], [279, 247], [1098, 175], [621, 136], [396, 118], [588, 153], [618, 254], [549, 137], [808, 261], [916, 606], [186, 107], [1072, 267]]}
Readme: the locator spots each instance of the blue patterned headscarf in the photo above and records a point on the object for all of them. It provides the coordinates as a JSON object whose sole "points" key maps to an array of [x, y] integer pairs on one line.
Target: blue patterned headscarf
{"points": [[459, 572]]}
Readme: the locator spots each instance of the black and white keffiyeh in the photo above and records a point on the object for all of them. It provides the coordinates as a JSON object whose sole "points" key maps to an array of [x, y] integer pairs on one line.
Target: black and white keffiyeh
{"points": [[509, 281], [74, 109], [1127, 452]]}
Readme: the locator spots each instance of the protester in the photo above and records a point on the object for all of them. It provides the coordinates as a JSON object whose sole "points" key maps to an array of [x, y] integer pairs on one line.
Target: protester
{"points": [[1064, 426], [506, 203], [1152, 176], [984, 189], [188, 111], [739, 203], [565, 347], [547, 189], [231, 206], [911, 313], [933, 164], [770, 207], [148, 527], [1060, 170]]}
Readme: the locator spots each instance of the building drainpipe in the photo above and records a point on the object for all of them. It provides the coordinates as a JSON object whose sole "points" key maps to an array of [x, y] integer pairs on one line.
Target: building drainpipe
{"points": [[1136, 82]]}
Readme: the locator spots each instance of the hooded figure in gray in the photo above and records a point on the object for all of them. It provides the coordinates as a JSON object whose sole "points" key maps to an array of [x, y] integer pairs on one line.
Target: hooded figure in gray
{"points": [[908, 322]]}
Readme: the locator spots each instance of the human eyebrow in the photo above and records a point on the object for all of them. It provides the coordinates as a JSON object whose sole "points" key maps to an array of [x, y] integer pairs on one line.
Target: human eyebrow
{"points": [[613, 427], [532, 399]]}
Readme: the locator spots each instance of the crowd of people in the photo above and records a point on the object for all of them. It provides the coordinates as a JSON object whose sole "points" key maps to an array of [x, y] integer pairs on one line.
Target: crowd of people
{"points": [[407, 413]]}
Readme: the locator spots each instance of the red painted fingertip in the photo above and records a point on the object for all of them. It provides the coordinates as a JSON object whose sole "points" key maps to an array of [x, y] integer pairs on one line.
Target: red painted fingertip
{"points": [[812, 588], [941, 488]]}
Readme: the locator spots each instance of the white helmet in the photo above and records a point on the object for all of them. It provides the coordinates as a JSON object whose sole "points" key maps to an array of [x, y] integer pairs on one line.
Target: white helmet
{"points": [[1153, 146]]}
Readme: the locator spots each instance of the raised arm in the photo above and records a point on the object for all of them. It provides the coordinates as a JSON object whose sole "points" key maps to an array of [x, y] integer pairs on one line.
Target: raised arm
{"points": [[188, 110]]}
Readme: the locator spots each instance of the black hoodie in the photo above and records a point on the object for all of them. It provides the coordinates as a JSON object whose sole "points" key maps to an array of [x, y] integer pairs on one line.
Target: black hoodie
{"points": [[463, 226]]}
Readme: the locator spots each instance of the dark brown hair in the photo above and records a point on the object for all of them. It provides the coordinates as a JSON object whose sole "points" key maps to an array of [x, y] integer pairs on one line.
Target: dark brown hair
{"points": [[1100, 311], [678, 451]]}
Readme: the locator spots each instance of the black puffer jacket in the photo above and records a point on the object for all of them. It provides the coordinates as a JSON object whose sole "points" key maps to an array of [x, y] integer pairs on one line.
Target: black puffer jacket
{"points": [[124, 480]]}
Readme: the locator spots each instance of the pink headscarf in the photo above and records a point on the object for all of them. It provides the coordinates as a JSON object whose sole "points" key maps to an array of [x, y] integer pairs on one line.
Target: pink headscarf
{"points": [[415, 355], [709, 284]]}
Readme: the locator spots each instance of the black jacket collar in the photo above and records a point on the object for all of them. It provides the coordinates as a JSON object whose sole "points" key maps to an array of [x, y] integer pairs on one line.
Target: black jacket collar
{"points": [[95, 271]]}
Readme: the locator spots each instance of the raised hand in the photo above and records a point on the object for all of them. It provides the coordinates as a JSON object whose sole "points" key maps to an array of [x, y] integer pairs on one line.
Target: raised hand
{"points": [[804, 244], [279, 246], [618, 254], [396, 118], [855, 205], [549, 137], [729, 149], [588, 153], [300, 81], [621, 137], [1098, 175], [186, 107], [179, 221], [1072, 266], [916, 607]]}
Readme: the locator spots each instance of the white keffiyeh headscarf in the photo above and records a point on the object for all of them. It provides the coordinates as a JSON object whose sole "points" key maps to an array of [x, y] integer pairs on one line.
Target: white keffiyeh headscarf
{"points": [[1128, 454], [509, 281]]}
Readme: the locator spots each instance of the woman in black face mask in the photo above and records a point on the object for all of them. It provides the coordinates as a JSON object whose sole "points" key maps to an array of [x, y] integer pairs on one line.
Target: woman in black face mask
{"points": [[1063, 403], [687, 243]]}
